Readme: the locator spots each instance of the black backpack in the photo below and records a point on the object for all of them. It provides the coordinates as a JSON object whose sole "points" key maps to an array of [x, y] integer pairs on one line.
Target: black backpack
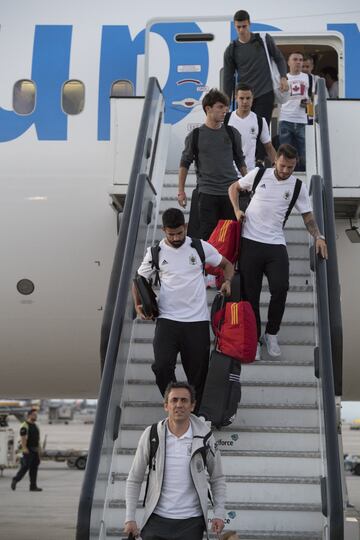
{"points": [[147, 296], [155, 250], [257, 179], [259, 122]]}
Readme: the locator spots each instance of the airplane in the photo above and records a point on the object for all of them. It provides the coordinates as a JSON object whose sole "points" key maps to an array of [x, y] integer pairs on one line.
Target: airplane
{"points": [[58, 178]]}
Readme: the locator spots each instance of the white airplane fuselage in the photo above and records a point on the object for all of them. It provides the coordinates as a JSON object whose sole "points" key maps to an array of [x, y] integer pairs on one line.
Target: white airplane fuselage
{"points": [[58, 229]]}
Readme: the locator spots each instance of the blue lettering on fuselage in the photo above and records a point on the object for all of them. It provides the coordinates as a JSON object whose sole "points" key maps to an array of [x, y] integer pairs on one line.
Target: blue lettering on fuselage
{"points": [[182, 54], [118, 60], [352, 53], [50, 69], [255, 27]]}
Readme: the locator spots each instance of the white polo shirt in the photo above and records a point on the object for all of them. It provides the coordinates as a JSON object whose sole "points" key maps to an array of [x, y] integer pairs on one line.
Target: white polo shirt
{"points": [[178, 499], [248, 128], [182, 295], [267, 209]]}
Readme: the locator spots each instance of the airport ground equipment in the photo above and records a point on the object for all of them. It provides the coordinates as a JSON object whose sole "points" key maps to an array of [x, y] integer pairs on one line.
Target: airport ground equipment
{"points": [[7, 448], [60, 413], [352, 464], [74, 458]]}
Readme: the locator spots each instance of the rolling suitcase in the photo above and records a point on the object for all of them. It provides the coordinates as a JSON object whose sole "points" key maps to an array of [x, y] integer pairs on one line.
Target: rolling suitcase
{"points": [[222, 391], [234, 325]]}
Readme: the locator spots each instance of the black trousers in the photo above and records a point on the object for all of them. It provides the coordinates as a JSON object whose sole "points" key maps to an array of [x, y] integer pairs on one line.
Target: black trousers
{"points": [[159, 528], [211, 209], [192, 341], [29, 462], [263, 106], [257, 259]]}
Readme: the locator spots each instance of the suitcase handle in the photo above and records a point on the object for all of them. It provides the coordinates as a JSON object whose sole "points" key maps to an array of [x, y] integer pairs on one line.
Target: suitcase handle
{"points": [[223, 300]]}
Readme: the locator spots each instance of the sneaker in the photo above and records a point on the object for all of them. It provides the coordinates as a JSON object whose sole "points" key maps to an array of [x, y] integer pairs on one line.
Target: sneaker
{"points": [[258, 351], [13, 484], [272, 344], [35, 489]]}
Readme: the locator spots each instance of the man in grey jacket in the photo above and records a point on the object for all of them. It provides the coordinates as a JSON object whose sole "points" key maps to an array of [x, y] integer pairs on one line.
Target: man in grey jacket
{"points": [[246, 56], [215, 152], [177, 495]]}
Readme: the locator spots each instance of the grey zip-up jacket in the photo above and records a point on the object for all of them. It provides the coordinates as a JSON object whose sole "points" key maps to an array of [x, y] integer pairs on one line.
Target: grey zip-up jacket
{"points": [[213, 466]]}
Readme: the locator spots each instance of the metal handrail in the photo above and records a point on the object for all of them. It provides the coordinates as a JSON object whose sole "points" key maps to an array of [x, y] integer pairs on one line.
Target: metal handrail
{"points": [[333, 509], [107, 417], [152, 92], [336, 332]]}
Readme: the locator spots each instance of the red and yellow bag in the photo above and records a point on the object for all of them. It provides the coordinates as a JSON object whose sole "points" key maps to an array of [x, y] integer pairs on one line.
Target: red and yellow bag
{"points": [[226, 239], [237, 335]]}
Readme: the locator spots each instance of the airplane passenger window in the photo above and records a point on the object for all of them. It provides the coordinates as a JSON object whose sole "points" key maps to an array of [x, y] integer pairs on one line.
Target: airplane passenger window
{"points": [[24, 95], [73, 97], [122, 89]]}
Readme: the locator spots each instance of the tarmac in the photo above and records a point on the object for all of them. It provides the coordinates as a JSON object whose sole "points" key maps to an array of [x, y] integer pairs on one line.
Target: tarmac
{"points": [[52, 513]]}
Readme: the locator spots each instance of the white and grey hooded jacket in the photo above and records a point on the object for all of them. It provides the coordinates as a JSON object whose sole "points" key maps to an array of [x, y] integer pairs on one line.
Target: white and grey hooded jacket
{"points": [[197, 469]]}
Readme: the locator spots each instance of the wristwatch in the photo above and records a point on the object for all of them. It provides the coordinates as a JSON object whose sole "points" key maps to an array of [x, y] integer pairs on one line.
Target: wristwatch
{"points": [[320, 236]]}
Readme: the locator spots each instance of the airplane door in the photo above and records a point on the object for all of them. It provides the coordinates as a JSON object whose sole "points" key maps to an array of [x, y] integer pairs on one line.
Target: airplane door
{"points": [[186, 57]]}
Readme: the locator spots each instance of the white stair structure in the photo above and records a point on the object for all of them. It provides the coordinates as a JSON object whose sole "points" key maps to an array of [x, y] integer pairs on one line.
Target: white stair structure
{"points": [[272, 452]]}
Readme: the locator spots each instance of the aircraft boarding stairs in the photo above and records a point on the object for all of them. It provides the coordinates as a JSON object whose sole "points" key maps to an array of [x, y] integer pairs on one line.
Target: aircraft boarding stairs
{"points": [[271, 453]]}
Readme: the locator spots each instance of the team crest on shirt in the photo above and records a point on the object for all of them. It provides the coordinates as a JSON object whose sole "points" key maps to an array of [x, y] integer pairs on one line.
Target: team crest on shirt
{"points": [[286, 195], [192, 260], [253, 131]]}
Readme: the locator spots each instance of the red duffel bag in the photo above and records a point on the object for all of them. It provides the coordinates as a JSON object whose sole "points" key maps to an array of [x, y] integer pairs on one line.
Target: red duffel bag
{"points": [[226, 239], [237, 334]]}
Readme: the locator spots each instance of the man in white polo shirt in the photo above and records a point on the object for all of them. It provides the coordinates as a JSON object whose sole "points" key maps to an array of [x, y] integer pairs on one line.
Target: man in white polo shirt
{"points": [[183, 453], [263, 245], [252, 128], [183, 323]]}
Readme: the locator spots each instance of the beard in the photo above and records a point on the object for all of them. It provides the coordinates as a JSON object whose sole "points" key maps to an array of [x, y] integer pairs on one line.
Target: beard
{"points": [[176, 243]]}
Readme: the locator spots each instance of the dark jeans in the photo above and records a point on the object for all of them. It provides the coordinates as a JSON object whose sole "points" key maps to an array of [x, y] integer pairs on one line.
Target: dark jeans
{"points": [[192, 341], [272, 260], [294, 133], [29, 462], [211, 209], [159, 528], [263, 106]]}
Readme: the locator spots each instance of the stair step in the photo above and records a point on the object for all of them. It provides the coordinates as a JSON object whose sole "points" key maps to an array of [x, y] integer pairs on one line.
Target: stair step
{"points": [[248, 462], [293, 354], [245, 489], [270, 518], [283, 371], [265, 393], [246, 438], [247, 415], [246, 535], [289, 330], [292, 233]]}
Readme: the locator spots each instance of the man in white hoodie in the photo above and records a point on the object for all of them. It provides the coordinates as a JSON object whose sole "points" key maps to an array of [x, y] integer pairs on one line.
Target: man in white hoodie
{"points": [[176, 497]]}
